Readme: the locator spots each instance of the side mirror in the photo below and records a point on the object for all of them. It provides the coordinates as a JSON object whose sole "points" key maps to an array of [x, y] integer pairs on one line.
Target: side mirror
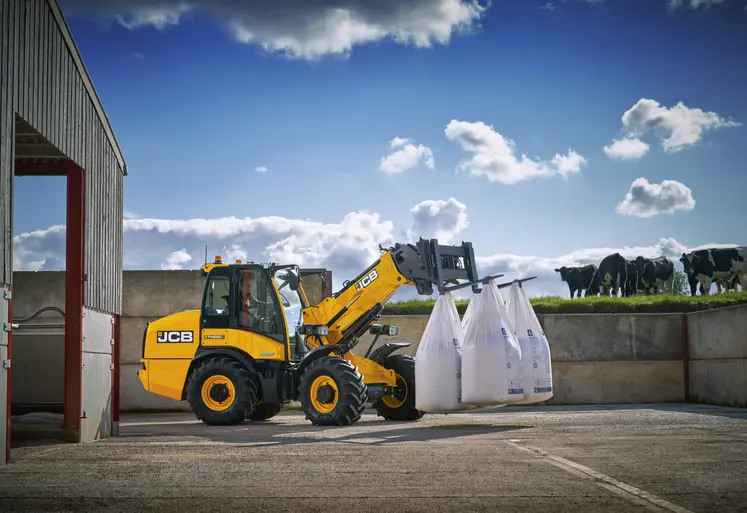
{"points": [[292, 279], [284, 300]]}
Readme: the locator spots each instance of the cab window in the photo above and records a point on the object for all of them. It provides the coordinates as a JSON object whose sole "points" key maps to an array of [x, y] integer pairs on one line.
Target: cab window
{"points": [[258, 306], [216, 311]]}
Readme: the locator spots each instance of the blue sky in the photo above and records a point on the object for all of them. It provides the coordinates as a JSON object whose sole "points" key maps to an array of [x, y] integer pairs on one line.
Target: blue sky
{"points": [[196, 112]]}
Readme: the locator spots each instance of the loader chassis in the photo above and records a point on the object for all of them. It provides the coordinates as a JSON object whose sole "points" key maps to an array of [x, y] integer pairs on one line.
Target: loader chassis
{"points": [[240, 357]]}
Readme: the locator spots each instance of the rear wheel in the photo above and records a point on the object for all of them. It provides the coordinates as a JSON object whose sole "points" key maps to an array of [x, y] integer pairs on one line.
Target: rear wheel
{"points": [[401, 405], [264, 411], [332, 392], [221, 392]]}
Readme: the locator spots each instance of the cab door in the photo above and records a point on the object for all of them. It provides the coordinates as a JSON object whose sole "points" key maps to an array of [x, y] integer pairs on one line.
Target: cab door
{"points": [[241, 310]]}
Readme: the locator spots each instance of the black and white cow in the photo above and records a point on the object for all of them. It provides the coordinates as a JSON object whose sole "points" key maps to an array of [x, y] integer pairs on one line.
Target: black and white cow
{"points": [[632, 281], [577, 278], [611, 276], [704, 266], [655, 274]]}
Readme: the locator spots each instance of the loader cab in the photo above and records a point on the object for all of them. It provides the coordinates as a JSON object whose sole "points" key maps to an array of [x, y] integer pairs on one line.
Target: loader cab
{"points": [[265, 300]]}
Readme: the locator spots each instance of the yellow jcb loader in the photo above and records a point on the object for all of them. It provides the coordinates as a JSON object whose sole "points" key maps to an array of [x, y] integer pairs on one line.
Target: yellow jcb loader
{"points": [[240, 358]]}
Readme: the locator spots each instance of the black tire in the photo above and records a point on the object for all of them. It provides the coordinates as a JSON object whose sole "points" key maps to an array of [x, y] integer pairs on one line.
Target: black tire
{"points": [[243, 399], [345, 405], [401, 406], [265, 411]]}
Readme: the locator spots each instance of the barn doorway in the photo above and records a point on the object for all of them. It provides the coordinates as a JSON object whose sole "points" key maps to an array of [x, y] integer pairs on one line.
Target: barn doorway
{"points": [[45, 378]]}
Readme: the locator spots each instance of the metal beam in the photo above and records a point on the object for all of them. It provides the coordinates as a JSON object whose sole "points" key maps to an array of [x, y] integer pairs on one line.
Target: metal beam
{"points": [[57, 168]]}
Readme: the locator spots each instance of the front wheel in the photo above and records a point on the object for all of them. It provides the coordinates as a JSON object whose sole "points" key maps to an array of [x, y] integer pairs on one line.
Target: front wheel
{"points": [[221, 392], [401, 405], [332, 392]]}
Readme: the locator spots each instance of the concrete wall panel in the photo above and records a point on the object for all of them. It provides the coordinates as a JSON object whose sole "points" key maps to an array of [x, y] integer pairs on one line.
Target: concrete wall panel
{"points": [[96, 407], [131, 333], [721, 382], [35, 290], [134, 397], [718, 334], [160, 293], [613, 337], [38, 367], [617, 382]]}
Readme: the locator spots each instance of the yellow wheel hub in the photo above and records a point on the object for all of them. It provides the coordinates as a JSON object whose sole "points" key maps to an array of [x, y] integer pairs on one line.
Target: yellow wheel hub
{"points": [[324, 394], [218, 393], [395, 401]]}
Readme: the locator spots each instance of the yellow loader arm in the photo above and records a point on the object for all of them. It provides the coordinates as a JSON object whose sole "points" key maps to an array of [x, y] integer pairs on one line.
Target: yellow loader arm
{"points": [[341, 319]]}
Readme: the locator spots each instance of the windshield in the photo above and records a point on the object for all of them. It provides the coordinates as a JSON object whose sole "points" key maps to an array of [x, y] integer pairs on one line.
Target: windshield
{"points": [[291, 301]]}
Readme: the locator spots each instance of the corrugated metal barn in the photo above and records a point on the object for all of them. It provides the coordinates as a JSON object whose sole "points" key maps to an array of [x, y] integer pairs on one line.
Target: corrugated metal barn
{"points": [[52, 123]]}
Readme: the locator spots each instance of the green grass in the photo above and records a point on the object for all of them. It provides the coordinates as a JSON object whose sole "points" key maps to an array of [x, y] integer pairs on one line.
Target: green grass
{"points": [[553, 304]]}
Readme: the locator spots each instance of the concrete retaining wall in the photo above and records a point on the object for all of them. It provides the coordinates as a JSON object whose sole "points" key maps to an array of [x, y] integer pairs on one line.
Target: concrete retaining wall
{"points": [[597, 358], [718, 356]]}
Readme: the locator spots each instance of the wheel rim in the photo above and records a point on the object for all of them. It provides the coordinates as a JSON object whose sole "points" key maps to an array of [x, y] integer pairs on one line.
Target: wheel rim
{"points": [[324, 394], [218, 393], [398, 399]]}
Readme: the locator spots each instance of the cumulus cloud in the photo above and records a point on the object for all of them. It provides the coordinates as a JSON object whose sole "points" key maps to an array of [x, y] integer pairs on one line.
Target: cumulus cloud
{"points": [[346, 247], [646, 199], [495, 158], [628, 148], [306, 29], [678, 127], [261, 169], [407, 156], [440, 219], [176, 260]]}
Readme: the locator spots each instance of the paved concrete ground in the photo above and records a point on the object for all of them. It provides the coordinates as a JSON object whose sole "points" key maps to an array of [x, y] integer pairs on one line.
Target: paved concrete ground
{"points": [[630, 458]]}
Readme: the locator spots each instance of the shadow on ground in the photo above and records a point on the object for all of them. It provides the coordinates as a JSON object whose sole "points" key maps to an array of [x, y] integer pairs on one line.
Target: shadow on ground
{"points": [[687, 408], [278, 432]]}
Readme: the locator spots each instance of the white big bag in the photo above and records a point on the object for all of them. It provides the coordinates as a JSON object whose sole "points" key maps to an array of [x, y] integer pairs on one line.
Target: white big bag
{"points": [[438, 363], [491, 355], [535, 350]]}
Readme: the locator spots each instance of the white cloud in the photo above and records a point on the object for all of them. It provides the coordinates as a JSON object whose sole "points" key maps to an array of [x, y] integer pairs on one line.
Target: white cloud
{"points": [[628, 148], [693, 4], [306, 29], [407, 157], [439, 219], [176, 260], [347, 247], [646, 199], [495, 159], [261, 169], [678, 127]]}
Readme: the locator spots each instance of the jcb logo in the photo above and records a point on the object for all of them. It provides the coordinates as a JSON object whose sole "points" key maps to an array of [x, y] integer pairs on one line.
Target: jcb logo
{"points": [[175, 336], [367, 280]]}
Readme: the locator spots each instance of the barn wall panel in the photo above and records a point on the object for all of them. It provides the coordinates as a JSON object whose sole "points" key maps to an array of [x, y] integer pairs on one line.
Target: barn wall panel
{"points": [[40, 81], [6, 138]]}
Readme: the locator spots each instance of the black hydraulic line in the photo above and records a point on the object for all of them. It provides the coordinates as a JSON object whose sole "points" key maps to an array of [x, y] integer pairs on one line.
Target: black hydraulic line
{"points": [[37, 313]]}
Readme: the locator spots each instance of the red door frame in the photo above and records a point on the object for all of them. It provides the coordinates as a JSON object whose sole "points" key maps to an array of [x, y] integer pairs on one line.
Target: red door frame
{"points": [[74, 277], [74, 296]]}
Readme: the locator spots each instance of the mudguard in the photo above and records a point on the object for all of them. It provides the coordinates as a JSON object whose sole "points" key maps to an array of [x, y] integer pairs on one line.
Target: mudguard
{"points": [[380, 354]]}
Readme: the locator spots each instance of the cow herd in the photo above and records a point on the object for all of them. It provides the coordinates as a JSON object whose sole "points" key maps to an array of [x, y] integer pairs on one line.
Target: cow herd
{"points": [[727, 267]]}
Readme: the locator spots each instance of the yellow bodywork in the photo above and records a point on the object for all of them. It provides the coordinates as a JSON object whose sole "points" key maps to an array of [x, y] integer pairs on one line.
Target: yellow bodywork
{"points": [[166, 363]]}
